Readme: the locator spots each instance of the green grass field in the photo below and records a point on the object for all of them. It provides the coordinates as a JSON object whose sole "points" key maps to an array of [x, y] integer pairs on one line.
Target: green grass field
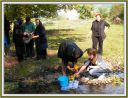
{"points": [[113, 44]]}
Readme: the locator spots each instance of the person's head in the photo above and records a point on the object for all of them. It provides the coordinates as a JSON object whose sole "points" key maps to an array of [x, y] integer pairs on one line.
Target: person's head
{"points": [[19, 21], [27, 19], [98, 17], [91, 53], [38, 22]]}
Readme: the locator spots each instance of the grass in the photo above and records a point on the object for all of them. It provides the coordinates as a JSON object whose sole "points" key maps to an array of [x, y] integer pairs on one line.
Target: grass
{"points": [[76, 31], [113, 44]]}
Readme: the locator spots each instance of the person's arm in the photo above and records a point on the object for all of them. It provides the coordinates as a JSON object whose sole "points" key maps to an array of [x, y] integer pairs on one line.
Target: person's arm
{"points": [[69, 68], [107, 25], [85, 66], [82, 69], [41, 33], [35, 36]]}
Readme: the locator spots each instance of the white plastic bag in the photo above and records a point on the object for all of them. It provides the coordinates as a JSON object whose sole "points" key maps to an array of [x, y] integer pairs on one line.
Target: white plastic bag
{"points": [[73, 84]]}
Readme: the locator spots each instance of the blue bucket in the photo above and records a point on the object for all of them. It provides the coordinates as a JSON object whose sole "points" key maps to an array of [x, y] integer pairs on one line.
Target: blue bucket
{"points": [[63, 81]]}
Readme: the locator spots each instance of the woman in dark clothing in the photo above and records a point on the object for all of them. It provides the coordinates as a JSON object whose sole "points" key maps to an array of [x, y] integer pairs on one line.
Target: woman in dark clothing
{"points": [[98, 29], [18, 39], [40, 40]]}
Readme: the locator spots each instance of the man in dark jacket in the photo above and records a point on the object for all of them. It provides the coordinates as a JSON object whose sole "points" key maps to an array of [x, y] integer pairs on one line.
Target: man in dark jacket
{"points": [[98, 30]]}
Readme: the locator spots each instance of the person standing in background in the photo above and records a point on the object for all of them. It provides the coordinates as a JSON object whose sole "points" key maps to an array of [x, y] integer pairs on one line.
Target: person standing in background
{"points": [[18, 39], [98, 29], [28, 29], [40, 40]]}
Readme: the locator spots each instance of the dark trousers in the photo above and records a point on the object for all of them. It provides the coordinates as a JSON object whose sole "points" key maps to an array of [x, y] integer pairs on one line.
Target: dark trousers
{"points": [[44, 53], [41, 52], [29, 49], [98, 41], [20, 51]]}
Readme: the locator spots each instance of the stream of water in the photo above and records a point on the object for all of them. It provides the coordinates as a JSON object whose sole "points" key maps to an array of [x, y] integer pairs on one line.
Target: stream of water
{"points": [[92, 89]]}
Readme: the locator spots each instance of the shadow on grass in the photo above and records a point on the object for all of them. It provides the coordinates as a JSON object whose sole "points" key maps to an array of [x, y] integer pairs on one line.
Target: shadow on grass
{"points": [[55, 37]]}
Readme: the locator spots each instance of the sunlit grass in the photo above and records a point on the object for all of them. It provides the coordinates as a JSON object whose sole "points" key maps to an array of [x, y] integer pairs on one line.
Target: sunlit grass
{"points": [[113, 43]]}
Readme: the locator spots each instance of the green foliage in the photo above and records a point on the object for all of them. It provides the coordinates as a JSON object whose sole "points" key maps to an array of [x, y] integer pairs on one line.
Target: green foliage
{"points": [[117, 10], [84, 10], [15, 11], [104, 12], [10, 87]]}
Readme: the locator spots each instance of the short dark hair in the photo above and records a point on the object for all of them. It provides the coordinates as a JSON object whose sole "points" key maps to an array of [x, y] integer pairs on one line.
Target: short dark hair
{"points": [[27, 19]]}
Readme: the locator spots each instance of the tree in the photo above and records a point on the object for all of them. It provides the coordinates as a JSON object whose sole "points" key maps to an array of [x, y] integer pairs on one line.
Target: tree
{"points": [[15, 11], [85, 10], [117, 11], [104, 12]]}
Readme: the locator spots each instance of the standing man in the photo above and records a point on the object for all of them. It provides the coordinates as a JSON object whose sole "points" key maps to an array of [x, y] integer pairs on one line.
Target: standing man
{"points": [[28, 29], [98, 30]]}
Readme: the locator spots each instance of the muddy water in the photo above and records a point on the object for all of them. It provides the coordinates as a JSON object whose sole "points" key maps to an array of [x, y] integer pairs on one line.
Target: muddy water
{"points": [[108, 89], [91, 89], [53, 88]]}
